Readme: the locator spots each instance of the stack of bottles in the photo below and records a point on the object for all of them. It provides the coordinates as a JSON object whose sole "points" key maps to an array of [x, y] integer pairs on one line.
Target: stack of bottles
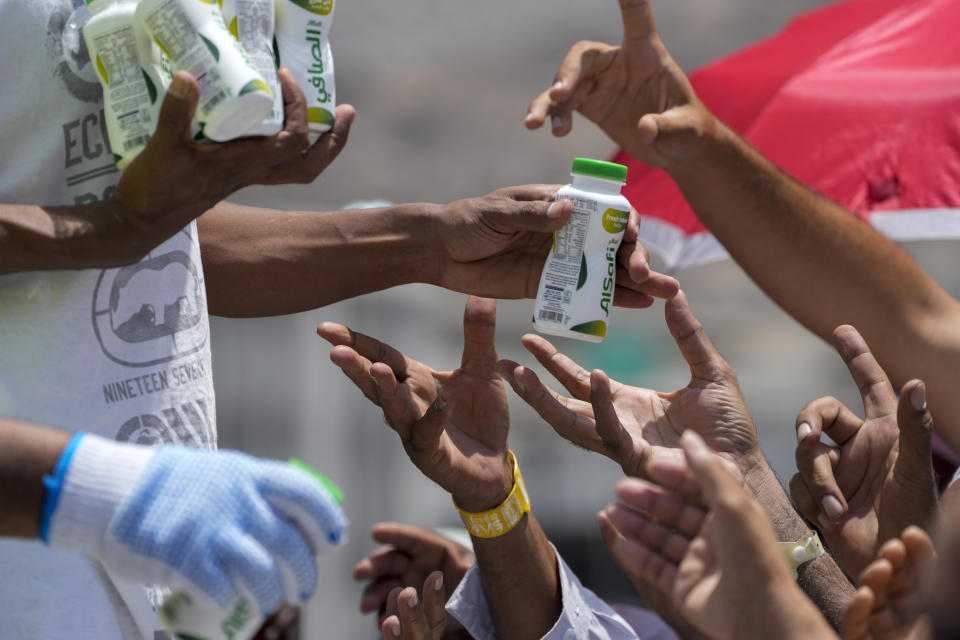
{"points": [[232, 47]]}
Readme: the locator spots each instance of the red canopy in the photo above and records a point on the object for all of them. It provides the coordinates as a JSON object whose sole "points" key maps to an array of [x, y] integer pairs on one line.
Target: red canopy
{"points": [[860, 100]]}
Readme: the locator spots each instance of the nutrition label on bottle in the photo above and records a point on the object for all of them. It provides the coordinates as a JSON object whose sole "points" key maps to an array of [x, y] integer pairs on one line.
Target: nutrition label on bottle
{"points": [[130, 98], [254, 29], [172, 27], [561, 275]]}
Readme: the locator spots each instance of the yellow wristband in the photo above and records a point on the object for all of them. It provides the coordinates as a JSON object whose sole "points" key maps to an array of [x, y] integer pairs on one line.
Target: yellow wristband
{"points": [[505, 516], [803, 550]]}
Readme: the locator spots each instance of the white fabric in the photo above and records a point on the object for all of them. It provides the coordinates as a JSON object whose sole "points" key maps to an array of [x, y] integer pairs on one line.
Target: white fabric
{"points": [[101, 475], [120, 352], [584, 615], [956, 476]]}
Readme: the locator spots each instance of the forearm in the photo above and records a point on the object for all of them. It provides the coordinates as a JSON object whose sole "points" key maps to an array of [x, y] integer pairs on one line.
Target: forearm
{"points": [[518, 571], [100, 235], [825, 267], [27, 453], [822, 579], [262, 262]]}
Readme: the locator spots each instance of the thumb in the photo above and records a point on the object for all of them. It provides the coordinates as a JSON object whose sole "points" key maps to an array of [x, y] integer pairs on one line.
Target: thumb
{"points": [[673, 133], [916, 431], [176, 113]]}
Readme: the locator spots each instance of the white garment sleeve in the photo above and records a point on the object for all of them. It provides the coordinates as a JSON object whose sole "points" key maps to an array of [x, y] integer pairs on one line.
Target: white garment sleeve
{"points": [[956, 476], [584, 615]]}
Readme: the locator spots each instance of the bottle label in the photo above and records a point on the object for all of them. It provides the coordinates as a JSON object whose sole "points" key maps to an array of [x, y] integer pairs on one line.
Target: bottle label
{"points": [[578, 279]]}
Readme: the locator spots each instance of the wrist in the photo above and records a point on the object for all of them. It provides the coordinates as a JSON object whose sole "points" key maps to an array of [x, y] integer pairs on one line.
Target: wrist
{"points": [[485, 496], [714, 139], [504, 516], [434, 264], [92, 478]]}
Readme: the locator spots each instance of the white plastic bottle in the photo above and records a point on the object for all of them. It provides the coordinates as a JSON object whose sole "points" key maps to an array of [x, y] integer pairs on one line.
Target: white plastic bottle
{"points": [[303, 32], [129, 68], [252, 23], [233, 97], [578, 279]]}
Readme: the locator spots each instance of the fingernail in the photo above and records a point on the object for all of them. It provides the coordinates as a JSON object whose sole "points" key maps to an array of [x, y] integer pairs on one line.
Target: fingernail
{"points": [[439, 584], [803, 431], [395, 630], [412, 602], [558, 84], [178, 87], [528, 118], [918, 398], [556, 122], [832, 507], [555, 210]]}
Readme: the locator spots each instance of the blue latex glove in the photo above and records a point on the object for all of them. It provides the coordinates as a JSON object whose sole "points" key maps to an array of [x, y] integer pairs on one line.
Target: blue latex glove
{"points": [[209, 522]]}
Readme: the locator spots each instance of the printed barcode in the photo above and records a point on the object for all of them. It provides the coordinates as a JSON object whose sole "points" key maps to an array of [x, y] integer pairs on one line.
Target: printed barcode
{"points": [[134, 143], [210, 104], [554, 316]]}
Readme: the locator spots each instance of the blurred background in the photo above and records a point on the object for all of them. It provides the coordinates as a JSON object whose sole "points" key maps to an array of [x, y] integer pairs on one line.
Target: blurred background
{"points": [[441, 89]]}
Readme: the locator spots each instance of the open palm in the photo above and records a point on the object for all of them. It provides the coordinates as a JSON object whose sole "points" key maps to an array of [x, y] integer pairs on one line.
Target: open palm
{"points": [[453, 424], [631, 424]]}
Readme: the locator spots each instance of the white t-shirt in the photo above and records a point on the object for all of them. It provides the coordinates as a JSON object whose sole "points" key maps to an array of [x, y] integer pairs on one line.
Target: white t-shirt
{"points": [[123, 352]]}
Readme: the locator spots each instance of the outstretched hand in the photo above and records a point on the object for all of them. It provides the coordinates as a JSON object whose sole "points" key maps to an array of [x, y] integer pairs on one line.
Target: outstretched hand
{"points": [[453, 424], [635, 93], [631, 425], [878, 479]]}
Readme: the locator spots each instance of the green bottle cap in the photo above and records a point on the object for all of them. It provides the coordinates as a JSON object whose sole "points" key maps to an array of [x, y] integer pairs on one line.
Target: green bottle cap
{"points": [[600, 169], [322, 479]]}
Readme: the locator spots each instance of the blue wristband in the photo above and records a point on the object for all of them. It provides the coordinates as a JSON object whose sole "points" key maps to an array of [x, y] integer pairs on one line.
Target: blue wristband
{"points": [[52, 485]]}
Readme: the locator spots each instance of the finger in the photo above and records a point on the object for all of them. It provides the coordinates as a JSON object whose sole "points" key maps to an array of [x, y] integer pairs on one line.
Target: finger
{"points": [[877, 577], [384, 561], [413, 620], [920, 551], [617, 441], [295, 560], [375, 594], [827, 415], [662, 506], [391, 628], [635, 273], [669, 469], [814, 462], [425, 437], [878, 396], [574, 378], [913, 468], [509, 216], [370, 348], [479, 334], [571, 419], [252, 568], [409, 538], [630, 299], [176, 112], [434, 602], [856, 616], [328, 146], [635, 526], [703, 358], [392, 608], [578, 64], [296, 118], [804, 499], [637, 19], [895, 552], [537, 111], [530, 192], [357, 369], [637, 560]]}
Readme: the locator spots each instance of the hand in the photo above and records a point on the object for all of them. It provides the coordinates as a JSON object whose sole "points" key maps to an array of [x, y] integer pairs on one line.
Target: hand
{"points": [[635, 93], [887, 604], [496, 246], [410, 618], [408, 555], [175, 179], [631, 425], [720, 567], [879, 479], [215, 523], [453, 424]]}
